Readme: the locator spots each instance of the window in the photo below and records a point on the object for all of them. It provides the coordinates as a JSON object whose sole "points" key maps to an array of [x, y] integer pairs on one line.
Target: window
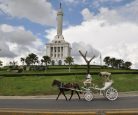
{"points": [[61, 49], [55, 49], [58, 49], [51, 49]]}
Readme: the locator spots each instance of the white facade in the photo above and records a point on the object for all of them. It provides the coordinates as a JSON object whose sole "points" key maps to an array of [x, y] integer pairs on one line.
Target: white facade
{"points": [[58, 49]]}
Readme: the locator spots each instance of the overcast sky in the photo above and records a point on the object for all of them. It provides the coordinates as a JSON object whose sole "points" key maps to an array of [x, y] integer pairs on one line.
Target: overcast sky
{"points": [[108, 26]]}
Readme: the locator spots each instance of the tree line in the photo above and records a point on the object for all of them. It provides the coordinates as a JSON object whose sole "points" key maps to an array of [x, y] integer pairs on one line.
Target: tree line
{"points": [[32, 62], [117, 63]]}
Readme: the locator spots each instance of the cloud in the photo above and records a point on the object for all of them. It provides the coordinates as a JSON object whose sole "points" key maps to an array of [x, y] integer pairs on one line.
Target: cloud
{"points": [[5, 51], [87, 15], [99, 3], [115, 40], [16, 42], [73, 1], [126, 13], [91, 52], [76, 46], [113, 32], [38, 11]]}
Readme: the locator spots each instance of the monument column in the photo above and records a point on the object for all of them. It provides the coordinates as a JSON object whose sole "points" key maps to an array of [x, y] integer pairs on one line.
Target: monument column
{"points": [[59, 21]]}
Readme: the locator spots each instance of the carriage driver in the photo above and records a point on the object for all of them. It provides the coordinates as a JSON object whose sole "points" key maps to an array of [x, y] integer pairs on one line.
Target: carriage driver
{"points": [[88, 81]]}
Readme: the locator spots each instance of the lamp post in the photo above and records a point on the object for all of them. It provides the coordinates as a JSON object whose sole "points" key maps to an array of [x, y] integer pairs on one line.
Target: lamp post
{"points": [[100, 59]]}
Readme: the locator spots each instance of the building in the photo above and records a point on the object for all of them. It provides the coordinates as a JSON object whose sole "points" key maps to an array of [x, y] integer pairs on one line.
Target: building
{"points": [[58, 49]]}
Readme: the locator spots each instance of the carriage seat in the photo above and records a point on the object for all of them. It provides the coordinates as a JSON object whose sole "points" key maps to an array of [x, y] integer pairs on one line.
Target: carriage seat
{"points": [[107, 85]]}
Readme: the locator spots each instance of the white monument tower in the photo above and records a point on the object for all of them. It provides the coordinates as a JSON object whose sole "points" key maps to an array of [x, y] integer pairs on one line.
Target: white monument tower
{"points": [[58, 49]]}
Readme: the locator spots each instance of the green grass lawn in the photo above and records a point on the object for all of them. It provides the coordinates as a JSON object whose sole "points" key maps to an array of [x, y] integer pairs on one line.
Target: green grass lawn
{"points": [[34, 85]]}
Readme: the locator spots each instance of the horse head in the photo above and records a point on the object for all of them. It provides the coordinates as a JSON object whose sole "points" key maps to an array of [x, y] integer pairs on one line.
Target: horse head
{"points": [[56, 82]]}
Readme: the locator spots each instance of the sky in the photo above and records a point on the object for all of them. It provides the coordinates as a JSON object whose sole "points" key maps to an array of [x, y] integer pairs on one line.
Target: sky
{"points": [[107, 27]]}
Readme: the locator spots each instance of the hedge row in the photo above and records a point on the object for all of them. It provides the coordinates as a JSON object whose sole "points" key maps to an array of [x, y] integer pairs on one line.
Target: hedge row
{"points": [[58, 74]]}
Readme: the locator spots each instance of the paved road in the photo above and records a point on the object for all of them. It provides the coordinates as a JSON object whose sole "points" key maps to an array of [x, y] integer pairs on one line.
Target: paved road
{"points": [[75, 104]]}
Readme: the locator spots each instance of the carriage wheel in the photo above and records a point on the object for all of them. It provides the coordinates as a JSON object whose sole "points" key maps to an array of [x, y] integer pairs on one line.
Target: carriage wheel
{"points": [[111, 94], [88, 96]]}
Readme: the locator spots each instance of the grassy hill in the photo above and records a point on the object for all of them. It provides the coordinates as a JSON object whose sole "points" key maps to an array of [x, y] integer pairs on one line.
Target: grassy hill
{"points": [[124, 80]]}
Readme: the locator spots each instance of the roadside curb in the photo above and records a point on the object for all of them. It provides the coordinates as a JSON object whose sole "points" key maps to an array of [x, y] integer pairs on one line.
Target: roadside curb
{"points": [[121, 94], [93, 112]]}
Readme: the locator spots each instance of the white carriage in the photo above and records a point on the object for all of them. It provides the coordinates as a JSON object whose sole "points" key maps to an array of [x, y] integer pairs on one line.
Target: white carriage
{"points": [[107, 90]]}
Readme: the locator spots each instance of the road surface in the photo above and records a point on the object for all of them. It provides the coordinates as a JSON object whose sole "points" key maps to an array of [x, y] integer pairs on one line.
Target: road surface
{"points": [[73, 105]]}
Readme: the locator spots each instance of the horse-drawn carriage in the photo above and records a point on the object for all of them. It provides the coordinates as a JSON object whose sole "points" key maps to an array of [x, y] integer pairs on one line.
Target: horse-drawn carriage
{"points": [[88, 89]]}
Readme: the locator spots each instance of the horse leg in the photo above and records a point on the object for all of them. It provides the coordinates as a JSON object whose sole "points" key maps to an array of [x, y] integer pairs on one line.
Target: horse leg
{"points": [[71, 95], [58, 95], [78, 94], [64, 95]]}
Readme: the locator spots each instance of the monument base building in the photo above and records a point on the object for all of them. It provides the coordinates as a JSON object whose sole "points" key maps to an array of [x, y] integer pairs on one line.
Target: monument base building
{"points": [[58, 49]]}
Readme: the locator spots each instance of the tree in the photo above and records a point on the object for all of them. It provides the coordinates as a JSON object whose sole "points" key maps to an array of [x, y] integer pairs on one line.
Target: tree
{"points": [[1, 63], [13, 64], [112, 62], [31, 59], [27, 61], [46, 60], [69, 60], [127, 65], [107, 60], [22, 60], [86, 60], [119, 63], [42, 61]]}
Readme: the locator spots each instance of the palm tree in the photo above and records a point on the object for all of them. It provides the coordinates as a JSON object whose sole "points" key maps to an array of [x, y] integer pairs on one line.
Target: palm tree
{"points": [[42, 61], [46, 60], [69, 60], [13, 64]]}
